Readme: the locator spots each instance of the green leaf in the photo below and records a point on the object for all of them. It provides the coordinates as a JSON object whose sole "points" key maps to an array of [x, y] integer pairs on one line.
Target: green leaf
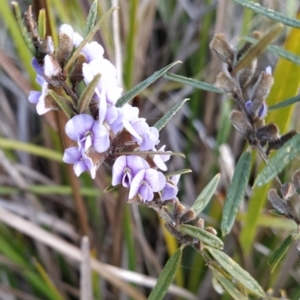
{"points": [[42, 24], [277, 255], [193, 82], [31, 148], [91, 19], [167, 117], [206, 194], [202, 235], [242, 276], [269, 13], [166, 276], [277, 163], [236, 192], [61, 102], [178, 172], [285, 103], [88, 38], [228, 286], [256, 49], [87, 94], [144, 84], [287, 55], [22, 28]]}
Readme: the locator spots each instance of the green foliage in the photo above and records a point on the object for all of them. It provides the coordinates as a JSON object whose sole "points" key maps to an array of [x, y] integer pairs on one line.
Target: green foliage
{"points": [[166, 276], [236, 192]]}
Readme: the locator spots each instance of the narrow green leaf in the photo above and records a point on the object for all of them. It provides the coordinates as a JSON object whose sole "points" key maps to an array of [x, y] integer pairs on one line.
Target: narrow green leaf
{"points": [[22, 28], [256, 49], [285, 103], [167, 117], [202, 235], [144, 84], [228, 286], [270, 13], [52, 288], [91, 19], [178, 172], [88, 38], [61, 101], [242, 276], [31, 148], [206, 194], [87, 94], [277, 163], [193, 82], [277, 255], [42, 24], [166, 276], [287, 55], [236, 192]]}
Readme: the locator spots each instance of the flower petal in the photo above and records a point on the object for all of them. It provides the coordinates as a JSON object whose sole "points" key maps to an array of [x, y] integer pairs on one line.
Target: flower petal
{"points": [[78, 126]]}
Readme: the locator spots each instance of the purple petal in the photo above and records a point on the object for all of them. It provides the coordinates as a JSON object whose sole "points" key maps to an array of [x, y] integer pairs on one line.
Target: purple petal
{"points": [[118, 170], [136, 163], [248, 106], [136, 183], [146, 192], [169, 192], [101, 140], [38, 68], [78, 126], [155, 179], [71, 155], [80, 167], [34, 97]]}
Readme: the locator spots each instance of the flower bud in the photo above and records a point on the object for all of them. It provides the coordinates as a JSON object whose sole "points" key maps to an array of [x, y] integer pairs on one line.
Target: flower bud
{"points": [[226, 83], [221, 49], [288, 190], [245, 75], [65, 46], [268, 133], [51, 67], [211, 230], [241, 125], [296, 180], [187, 217]]}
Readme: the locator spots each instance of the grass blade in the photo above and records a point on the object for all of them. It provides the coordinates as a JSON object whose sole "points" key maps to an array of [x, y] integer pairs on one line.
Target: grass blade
{"points": [[277, 163], [202, 235], [269, 13], [236, 192], [242, 276], [166, 276], [161, 123], [285, 103], [206, 194], [144, 84], [193, 82], [277, 255]]}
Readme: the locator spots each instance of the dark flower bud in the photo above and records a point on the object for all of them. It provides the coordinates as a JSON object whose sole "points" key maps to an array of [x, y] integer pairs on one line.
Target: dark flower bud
{"points": [[221, 49], [226, 83], [65, 46], [46, 46], [288, 190], [179, 210], [76, 73], [296, 180], [277, 203], [241, 125], [268, 133], [245, 75], [275, 145]]}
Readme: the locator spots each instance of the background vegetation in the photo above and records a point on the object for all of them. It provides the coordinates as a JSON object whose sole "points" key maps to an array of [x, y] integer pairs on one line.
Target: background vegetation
{"points": [[40, 195]]}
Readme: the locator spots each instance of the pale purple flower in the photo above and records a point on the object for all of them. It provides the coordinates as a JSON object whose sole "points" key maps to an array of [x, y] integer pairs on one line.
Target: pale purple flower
{"points": [[170, 190], [126, 167], [37, 66], [87, 133], [261, 113], [146, 183], [160, 159], [81, 162]]}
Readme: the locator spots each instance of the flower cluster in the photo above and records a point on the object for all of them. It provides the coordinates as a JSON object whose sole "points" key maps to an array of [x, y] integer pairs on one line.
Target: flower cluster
{"points": [[103, 132]]}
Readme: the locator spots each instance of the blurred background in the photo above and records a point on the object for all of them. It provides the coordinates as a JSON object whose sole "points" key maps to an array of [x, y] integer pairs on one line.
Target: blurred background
{"points": [[37, 186]]}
